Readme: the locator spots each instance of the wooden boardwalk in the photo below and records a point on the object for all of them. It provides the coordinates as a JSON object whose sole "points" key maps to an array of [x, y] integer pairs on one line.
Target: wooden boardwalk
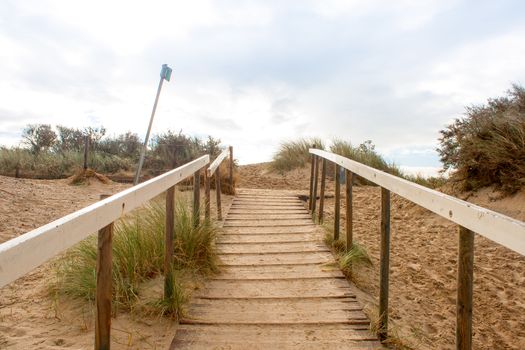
{"points": [[279, 288]]}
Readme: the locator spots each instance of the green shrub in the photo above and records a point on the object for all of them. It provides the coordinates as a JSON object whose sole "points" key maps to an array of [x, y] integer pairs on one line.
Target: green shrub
{"points": [[138, 256], [294, 154], [487, 146]]}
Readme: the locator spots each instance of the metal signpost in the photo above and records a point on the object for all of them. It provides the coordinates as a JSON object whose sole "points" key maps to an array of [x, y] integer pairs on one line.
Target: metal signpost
{"points": [[165, 74]]}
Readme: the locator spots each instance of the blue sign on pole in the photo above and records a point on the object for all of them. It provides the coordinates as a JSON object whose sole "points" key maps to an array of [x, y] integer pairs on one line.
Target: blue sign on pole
{"points": [[165, 72]]}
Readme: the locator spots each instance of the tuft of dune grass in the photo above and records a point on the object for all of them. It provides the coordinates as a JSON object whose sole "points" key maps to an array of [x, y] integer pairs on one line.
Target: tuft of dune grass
{"points": [[138, 256], [294, 154]]}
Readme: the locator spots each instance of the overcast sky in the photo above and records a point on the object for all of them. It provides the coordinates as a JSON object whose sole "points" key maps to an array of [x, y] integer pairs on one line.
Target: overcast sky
{"points": [[254, 73]]}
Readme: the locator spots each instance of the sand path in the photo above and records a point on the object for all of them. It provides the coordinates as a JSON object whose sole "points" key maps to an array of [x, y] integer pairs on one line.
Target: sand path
{"points": [[279, 286]]}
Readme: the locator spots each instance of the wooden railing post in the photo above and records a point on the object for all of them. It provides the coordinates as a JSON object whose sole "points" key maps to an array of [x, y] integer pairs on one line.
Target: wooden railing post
{"points": [[207, 201], [196, 198], [312, 167], [103, 292], [168, 243], [321, 195], [465, 289], [218, 192], [316, 180], [231, 169], [337, 213], [86, 151], [385, 264], [349, 210]]}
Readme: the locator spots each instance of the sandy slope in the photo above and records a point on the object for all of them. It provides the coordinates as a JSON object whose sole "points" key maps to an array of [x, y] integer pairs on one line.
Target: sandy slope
{"points": [[423, 266]]}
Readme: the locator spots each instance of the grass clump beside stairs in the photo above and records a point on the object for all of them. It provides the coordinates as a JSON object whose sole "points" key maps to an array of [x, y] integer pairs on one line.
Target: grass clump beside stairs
{"points": [[357, 255], [138, 256]]}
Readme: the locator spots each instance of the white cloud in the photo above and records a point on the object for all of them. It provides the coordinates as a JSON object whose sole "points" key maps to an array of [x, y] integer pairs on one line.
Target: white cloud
{"points": [[255, 73]]}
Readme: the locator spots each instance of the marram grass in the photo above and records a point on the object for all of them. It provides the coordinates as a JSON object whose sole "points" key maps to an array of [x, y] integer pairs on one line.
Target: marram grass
{"points": [[138, 256]]}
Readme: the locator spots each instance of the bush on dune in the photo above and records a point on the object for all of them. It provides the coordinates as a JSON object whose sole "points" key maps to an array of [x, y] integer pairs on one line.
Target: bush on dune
{"points": [[487, 146]]}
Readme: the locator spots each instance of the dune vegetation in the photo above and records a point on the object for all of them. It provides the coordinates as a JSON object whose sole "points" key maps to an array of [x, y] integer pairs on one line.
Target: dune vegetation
{"points": [[53, 153], [487, 146], [294, 154], [138, 256]]}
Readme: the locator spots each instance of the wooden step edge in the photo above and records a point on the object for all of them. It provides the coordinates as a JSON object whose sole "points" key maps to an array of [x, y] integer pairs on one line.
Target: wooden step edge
{"points": [[276, 252], [229, 279]]}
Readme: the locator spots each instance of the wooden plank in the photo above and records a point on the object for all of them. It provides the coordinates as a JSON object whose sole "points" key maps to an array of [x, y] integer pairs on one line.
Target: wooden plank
{"points": [[465, 285], [103, 291], [196, 198], [349, 210], [384, 269], [492, 225], [312, 168], [316, 180], [323, 185], [218, 193], [217, 162], [207, 200], [22, 254], [168, 243], [337, 204], [276, 259], [279, 272], [231, 167]]}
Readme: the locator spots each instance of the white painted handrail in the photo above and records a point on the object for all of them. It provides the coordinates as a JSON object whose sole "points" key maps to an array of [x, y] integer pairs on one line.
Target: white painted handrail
{"points": [[490, 224], [22, 254], [215, 164]]}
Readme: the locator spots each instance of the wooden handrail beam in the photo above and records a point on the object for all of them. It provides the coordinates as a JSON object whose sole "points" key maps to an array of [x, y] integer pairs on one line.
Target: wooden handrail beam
{"points": [[497, 227], [215, 164]]}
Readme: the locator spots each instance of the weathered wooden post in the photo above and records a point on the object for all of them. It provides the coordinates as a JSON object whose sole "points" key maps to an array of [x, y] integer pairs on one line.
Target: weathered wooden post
{"points": [[316, 180], [349, 210], [385, 264], [312, 168], [231, 170], [103, 292], [321, 195], [86, 151], [196, 198], [168, 243], [207, 179], [218, 192], [465, 289], [337, 213]]}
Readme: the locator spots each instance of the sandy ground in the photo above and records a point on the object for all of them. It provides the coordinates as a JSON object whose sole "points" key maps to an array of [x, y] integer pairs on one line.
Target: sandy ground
{"points": [[31, 318], [424, 266]]}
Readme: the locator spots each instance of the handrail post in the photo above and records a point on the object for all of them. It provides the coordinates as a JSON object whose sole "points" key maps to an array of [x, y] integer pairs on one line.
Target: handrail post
{"points": [[196, 198], [349, 210], [316, 180], [385, 264], [207, 204], [103, 291], [312, 161], [231, 170], [218, 192], [337, 212], [168, 243], [465, 289], [321, 195]]}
